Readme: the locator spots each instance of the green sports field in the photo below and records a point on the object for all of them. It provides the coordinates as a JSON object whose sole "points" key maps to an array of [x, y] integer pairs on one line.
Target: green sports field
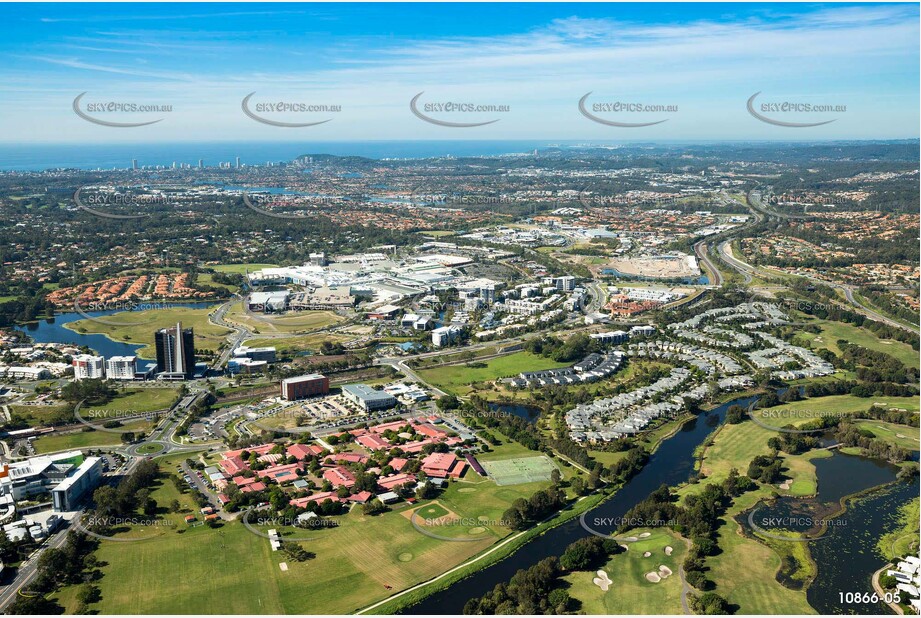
{"points": [[517, 471]]}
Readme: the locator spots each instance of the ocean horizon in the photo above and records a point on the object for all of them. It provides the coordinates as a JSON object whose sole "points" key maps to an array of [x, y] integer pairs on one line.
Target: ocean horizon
{"points": [[44, 156]]}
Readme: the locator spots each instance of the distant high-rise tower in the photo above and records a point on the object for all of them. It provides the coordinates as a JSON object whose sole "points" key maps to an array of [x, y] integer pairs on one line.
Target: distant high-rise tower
{"points": [[175, 352], [201, 164], [134, 164], [238, 162]]}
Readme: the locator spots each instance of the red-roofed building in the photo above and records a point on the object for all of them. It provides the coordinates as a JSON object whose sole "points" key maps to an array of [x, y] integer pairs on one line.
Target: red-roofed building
{"points": [[361, 497], [336, 458], [261, 449], [281, 474], [442, 465], [319, 498], [233, 465], [392, 426], [395, 480], [431, 431], [257, 486], [302, 451], [398, 463], [416, 447], [223, 499], [243, 481], [372, 442], [339, 477]]}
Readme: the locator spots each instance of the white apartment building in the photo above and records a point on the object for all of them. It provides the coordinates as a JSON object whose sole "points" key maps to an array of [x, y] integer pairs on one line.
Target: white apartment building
{"points": [[121, 367], [87, 366]]}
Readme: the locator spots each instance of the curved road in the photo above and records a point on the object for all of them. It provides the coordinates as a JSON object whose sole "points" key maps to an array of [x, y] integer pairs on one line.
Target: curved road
{"points": [[701, 249]]}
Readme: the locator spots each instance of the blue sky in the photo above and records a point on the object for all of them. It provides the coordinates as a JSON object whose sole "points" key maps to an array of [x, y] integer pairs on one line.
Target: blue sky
{"points": [[537, 59]]}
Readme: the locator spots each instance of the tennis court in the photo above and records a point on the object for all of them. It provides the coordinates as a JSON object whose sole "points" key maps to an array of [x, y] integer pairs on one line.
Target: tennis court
{"points": [[519, 470]]}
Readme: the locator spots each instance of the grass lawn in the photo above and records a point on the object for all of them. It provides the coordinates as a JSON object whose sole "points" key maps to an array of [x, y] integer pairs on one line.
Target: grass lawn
{"points": [[208, 279], [241, 268], [630, 592], [607, 458], [86, 439], [457, 378], [132, 401], [833, 331], [139, 327]]}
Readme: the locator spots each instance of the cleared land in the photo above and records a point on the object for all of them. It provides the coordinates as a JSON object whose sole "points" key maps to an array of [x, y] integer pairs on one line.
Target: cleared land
{"points": [[139, 327], [291, 322], [457, 379], [630, 592], [87, 439], [241, 268]]}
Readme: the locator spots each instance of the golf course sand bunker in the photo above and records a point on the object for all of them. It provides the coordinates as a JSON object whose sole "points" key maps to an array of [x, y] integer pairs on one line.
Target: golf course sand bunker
{"points": [[784, 485], [646, 554], [405, 557], [664, 571], [602, 581], [653, 577], [631, 539], [668, 550], [645, 534]]}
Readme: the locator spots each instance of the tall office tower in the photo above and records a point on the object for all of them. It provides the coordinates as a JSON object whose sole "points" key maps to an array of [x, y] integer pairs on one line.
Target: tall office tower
{"points": [[175, 352], [238, 162], [201, 164], [134, 164]]}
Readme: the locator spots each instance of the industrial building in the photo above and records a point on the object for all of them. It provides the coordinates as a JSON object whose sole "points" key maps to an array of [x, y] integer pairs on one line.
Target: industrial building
{"points": [[367, 398]]}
